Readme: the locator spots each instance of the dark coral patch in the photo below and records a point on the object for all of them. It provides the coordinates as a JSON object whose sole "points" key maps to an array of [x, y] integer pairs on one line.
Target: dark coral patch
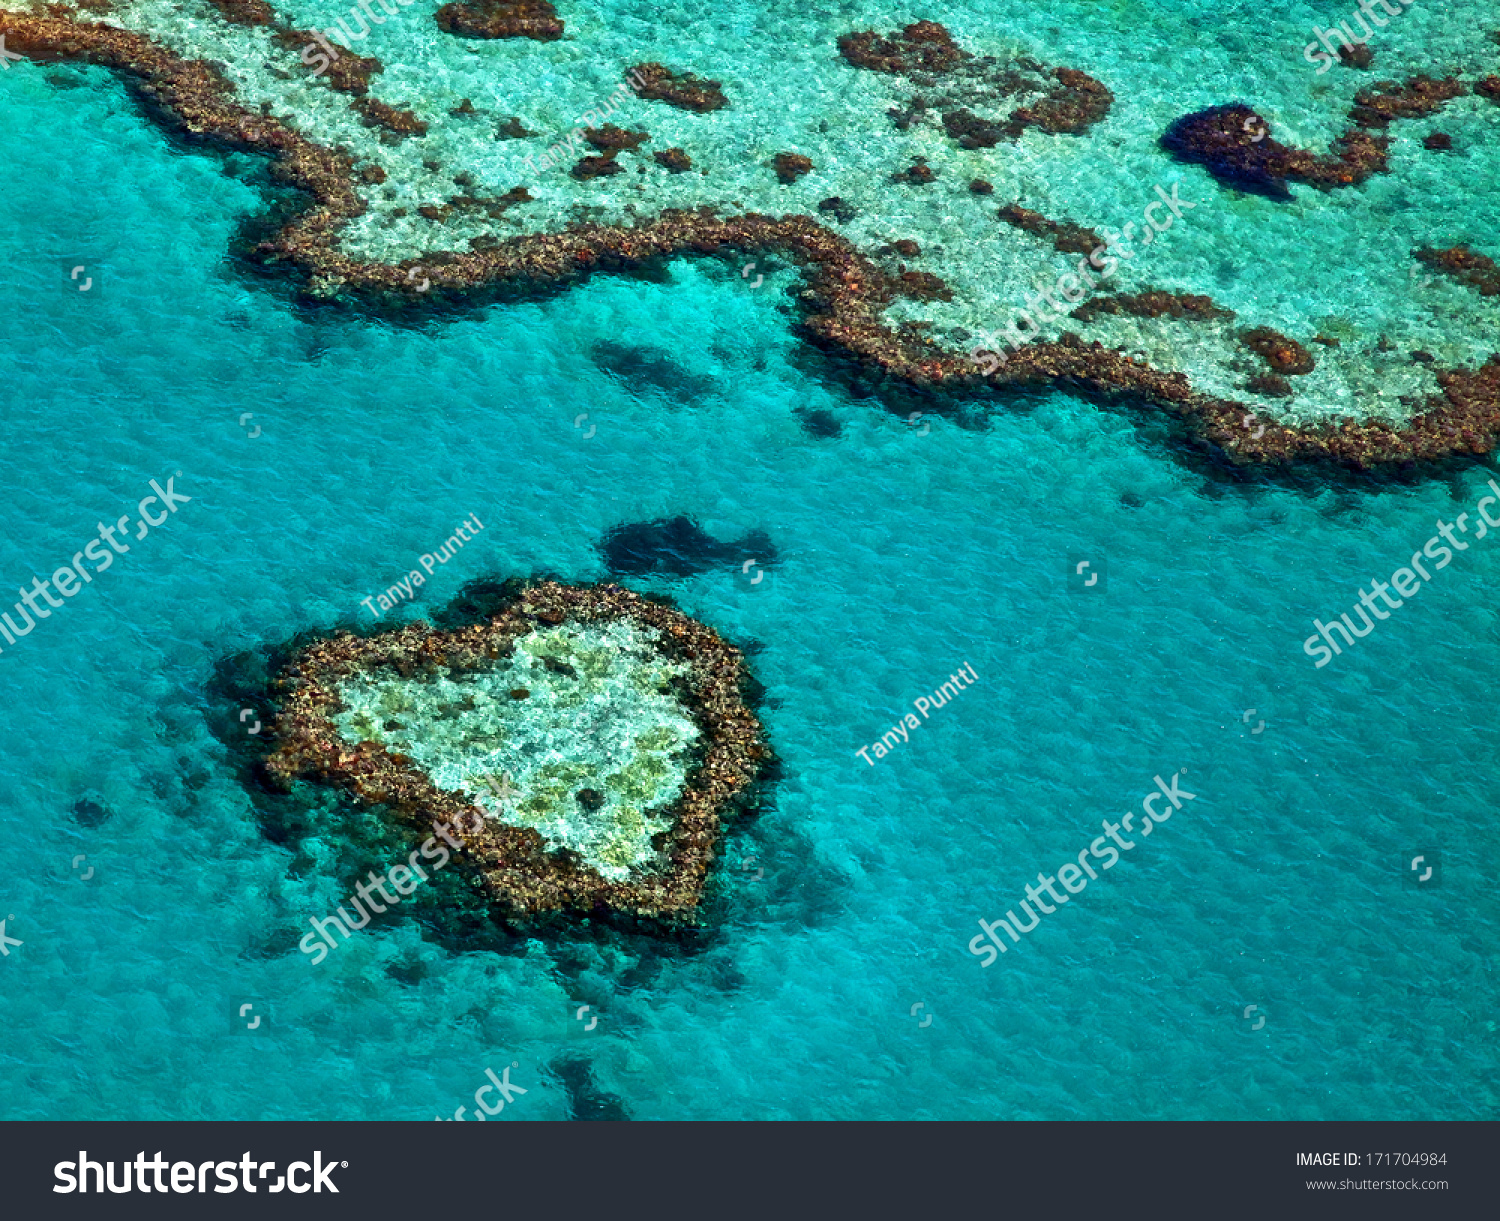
{"points": [[673, 159], [658, 83], [612, 139], [840, 210], [1357, 56], [1234, 144], [1057, 100], [917, 174], [1271, 385], [922, 286], [1283, 354], [375, 113], [819, 422], [501, 19], [1070, 107], [923, 46], [596, 167], [245, 12], [791, 166], [1419, 96], [1478, 271], [1185, 307], [512, 129], [349, 73]]}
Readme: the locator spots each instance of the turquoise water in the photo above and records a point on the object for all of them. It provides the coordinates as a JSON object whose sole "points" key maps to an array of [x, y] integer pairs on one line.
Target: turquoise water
{"points": [[903, 552]]}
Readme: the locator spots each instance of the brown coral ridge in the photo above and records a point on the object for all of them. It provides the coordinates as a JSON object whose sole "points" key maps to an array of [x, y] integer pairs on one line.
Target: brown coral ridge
{"points": [[520, 876], [1234, 144], [1153, 303], [501, 19], [841, 303], [1065, 236], [1478, 271], [1063, 100], [349, 73], [658, 83]]}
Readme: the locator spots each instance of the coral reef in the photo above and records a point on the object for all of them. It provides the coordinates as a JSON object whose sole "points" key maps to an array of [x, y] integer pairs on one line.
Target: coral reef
{"points": [[1065, 236], [1153, 303], [349, 73], [791, 166], [501, 19], [1416, 98], [1234, 144], [375, 113], [1057, 100], [659, 83], [1284, 355], [612, 139], [844, 294], [600, 785], [1478, 271], [680, 547], [673, 159], [245, 12]]}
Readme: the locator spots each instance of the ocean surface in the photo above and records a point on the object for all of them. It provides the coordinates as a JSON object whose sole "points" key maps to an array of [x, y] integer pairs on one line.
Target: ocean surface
{"points": [[324, 450]]}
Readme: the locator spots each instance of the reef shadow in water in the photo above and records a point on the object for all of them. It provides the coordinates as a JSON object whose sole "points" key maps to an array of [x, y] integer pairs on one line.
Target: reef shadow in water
{"points": [[586, 1101], [678, 546], [647, 370]]}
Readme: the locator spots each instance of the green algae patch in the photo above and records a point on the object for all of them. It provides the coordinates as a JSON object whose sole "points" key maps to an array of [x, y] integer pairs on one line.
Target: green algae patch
{"points": [[587, 741]]}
